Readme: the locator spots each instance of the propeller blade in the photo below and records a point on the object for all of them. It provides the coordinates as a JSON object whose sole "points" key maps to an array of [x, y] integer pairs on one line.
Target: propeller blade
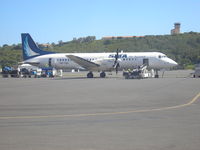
{"points": [[116, 64], [116, 69], [116, 58]]}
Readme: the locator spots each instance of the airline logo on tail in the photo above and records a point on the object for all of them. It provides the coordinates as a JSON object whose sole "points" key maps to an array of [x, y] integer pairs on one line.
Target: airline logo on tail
{"points": [[27, 50], [30, 49]]}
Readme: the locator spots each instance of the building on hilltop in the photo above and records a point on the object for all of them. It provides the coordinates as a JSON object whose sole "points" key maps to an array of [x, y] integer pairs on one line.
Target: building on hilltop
{"points": [[176, 29], [119, 37]]}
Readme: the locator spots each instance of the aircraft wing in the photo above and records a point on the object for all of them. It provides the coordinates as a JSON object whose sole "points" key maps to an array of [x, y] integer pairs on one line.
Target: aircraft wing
{"points": [[83, 62]]}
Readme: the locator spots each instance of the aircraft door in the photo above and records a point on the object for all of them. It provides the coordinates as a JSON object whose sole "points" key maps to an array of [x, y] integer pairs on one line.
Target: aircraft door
{"points": [[146, 61], [50, 62]]}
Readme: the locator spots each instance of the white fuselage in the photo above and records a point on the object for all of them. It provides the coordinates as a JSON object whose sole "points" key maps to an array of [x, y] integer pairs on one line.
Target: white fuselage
{"points": [[156, 60]]}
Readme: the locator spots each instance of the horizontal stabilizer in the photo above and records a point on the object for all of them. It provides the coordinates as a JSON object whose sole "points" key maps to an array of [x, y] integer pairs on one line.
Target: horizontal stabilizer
{"points": [[30, 63]]}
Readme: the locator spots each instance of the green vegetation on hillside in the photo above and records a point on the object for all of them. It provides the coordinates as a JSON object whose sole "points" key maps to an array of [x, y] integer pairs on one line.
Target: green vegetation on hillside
{"points": [[10, 55], [183, 48]]}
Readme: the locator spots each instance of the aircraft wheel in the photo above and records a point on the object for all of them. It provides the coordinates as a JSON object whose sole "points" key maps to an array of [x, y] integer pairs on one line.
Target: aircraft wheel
{"points": [[102, 74], [156, 75], [90, 75]]}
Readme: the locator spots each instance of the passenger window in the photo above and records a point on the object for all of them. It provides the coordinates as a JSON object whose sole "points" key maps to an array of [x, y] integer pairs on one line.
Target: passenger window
{"points": [[159, 56]]}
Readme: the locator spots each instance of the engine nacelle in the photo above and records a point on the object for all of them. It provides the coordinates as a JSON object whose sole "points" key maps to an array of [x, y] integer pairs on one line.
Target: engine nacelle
{"points": [[105, 63]]}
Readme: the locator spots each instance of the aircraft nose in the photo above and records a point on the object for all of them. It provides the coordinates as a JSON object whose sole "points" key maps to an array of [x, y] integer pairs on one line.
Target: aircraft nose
{"points": [[169, 63], [172, 63]]}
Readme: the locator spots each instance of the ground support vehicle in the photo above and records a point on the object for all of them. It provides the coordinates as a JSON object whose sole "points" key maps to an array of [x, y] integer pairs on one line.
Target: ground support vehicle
{"points": [[10, 72], [138, 73], [197, 71]]}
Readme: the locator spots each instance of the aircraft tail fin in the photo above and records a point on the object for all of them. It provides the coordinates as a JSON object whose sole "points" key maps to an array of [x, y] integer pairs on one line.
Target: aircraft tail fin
{"points": [[29, 47]]}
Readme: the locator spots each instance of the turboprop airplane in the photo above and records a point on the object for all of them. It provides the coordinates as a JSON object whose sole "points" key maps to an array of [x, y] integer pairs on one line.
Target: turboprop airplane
{"points": [[100, 62]]}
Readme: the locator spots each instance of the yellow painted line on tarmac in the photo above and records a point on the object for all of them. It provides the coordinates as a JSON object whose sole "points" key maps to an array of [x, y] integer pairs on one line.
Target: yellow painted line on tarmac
{"points": [[106, 113]]}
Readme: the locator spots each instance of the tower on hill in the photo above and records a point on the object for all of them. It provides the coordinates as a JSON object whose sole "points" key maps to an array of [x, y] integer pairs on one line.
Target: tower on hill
{"points": [[176, 29]]}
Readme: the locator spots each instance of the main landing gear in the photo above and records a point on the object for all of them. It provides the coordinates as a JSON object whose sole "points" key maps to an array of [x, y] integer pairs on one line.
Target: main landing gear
{"points": [[102, 75], [90, 75]]}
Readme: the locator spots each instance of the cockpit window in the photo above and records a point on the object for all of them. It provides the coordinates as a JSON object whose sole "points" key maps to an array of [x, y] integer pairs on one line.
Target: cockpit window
{"points": [[162, 56]]}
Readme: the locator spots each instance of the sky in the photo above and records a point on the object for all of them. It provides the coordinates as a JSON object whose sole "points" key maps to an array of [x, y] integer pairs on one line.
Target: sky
{"points": [[52, 20]]}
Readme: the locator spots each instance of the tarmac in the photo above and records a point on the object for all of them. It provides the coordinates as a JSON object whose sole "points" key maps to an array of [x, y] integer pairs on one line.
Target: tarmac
{"points": [[76, 113]]}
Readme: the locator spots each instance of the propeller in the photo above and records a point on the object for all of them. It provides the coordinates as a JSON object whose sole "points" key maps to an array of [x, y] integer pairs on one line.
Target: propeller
{"points": [[116, 68], [116, 63]]}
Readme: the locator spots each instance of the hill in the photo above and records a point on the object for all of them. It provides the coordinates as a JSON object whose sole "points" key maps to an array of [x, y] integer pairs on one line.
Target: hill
{"points": [[183, 48]]}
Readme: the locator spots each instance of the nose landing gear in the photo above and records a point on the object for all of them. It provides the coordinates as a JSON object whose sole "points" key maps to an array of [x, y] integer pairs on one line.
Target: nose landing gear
{"points": [[156, 75]]}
